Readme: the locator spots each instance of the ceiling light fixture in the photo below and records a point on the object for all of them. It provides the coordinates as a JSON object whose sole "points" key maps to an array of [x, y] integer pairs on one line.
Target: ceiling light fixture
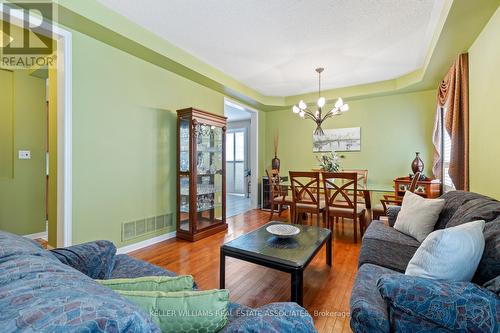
{"points": [[301, 109]]}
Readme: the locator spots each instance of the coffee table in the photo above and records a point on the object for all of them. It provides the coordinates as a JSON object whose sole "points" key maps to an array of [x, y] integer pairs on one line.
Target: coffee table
{"points": [[291, 255]]}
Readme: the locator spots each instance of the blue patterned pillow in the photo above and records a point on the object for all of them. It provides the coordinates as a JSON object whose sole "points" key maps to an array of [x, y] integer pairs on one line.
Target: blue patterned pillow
{"points": [[94, 259], [270, 318], [456, 306]]}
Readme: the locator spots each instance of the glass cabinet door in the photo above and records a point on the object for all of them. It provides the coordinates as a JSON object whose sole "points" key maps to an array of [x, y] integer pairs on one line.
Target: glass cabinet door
{"points": [[184, 149], [209, 175], [184, 203]]}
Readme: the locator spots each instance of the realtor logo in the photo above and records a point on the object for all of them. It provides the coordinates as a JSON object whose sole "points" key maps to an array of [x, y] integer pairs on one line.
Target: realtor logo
{"points": [[35, 35], [26, 35]]}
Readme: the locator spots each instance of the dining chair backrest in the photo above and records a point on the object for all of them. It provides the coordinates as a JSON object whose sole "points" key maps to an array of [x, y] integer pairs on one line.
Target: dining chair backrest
{"points": [[362, 176], [414, 182], [341, 189], [274, 182], [305, 187], [362, 182]]}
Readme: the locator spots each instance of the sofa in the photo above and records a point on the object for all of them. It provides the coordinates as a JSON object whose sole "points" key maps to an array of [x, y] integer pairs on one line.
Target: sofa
{"points": [[384, 299], [55, 291]]}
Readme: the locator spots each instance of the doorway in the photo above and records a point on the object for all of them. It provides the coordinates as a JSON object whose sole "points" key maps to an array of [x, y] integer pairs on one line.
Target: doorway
{"points": [[22, 153], [60, 96], [241, 158]]}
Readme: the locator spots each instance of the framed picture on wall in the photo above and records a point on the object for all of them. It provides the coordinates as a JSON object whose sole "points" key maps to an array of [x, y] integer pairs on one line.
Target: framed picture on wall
{"points": [[339, 139]]}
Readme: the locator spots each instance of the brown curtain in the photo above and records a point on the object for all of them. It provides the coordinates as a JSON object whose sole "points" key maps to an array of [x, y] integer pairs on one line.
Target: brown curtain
{"points": [[453, 95]]}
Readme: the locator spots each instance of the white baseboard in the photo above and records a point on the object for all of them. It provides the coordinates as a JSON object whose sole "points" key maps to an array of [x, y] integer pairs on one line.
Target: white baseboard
{"points": [[145, 243], [42, 235]]}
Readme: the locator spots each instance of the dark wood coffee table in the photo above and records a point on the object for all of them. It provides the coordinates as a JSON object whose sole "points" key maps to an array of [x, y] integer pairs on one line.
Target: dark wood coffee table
{"points": [[291, 255]]}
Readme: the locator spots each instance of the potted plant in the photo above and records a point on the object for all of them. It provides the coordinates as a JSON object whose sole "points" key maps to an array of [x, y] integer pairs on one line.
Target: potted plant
{"points": [[329, 161]]}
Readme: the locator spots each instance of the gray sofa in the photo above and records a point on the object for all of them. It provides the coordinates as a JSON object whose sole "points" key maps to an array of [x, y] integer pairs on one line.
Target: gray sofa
{"points": [[383, 299]]}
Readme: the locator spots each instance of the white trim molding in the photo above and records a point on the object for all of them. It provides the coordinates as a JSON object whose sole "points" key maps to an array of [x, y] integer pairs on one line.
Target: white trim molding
{"points": [[145, 243], [254, 150], [42, 235]]}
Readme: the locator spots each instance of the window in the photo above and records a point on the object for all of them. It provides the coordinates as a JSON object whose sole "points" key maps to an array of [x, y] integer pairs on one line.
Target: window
{"points": [[447, 182], [235, 161]]}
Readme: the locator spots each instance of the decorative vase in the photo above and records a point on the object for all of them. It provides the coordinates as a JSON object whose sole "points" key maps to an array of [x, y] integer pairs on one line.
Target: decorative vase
{"points": [[275, 164], [417, 165]]}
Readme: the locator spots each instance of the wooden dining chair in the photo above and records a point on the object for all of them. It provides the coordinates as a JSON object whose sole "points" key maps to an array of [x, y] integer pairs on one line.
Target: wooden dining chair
{"points": [[363, 194], [306, 194], [341, 198], [393, 200], [278, 194]]}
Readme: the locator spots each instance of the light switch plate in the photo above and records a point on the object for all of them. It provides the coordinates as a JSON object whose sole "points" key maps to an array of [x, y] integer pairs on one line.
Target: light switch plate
{"points": [[25, 155]]}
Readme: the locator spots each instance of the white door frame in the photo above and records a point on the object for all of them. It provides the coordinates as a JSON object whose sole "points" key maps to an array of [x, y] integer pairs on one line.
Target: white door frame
{"points": [[63, 38], [254, 150]]}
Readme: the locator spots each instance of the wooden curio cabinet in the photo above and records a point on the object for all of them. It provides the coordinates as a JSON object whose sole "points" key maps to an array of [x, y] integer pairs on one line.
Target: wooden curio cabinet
{"points": [[201, 174]]}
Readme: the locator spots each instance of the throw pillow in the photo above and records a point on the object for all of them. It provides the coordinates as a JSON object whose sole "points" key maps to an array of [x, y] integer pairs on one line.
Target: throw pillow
{"points": [[151, 283], [450, 254], [95, 259], [423, 305], [184, 311], [418, 215]]}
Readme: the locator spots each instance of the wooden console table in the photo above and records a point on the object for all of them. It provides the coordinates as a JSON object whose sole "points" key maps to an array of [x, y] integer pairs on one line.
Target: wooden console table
{"points": [[426, 188]]}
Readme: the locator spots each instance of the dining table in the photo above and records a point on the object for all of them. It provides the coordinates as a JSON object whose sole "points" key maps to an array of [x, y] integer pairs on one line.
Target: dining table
{"points": [[366, 190]]}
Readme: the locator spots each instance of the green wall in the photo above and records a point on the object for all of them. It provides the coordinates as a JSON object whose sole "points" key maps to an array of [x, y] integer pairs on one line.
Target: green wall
{"points": [[124, 138], [393, 128], [22, 127], [484, 90]]}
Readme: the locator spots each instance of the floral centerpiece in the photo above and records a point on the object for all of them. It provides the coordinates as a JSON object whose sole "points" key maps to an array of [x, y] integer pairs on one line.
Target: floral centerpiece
{"points": [[329, 161]]}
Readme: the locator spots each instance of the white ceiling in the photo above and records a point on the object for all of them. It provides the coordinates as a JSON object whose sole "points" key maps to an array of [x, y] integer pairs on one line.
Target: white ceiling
{"points": [[273, 46]]}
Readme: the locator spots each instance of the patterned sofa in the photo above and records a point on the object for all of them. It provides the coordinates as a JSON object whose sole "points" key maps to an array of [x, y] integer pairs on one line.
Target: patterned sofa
{"points": [[383, 299], [55, 291]]}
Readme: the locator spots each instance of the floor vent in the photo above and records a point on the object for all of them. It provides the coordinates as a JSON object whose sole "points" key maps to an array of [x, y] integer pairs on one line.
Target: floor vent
{"points": [[134, 229]]}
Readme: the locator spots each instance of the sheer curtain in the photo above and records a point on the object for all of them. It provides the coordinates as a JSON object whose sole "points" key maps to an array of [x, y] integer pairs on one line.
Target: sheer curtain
{"points": [[453, 96]]}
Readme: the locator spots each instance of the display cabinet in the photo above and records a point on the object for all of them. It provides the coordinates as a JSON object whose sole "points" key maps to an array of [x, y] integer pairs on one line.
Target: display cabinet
{"points": [[201, 175]]}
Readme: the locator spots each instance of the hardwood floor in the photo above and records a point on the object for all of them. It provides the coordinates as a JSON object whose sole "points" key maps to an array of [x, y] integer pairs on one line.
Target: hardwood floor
{"points": [[326, 290], [236, 204]]}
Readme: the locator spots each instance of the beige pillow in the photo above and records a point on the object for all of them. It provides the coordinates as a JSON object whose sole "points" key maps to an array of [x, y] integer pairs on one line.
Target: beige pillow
{"points": [[418, 216]]}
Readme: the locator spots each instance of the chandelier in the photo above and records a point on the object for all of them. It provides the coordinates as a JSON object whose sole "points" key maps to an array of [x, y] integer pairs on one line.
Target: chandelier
{"points": [[318, 116]]}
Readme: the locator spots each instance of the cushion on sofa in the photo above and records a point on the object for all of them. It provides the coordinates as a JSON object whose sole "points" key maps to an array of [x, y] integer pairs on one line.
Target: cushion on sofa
{"points": [[453, 201], [485, 209], [455, 306], [95, 259], [271, 318], [387, 247], [184, 311], [392, 214], [489, 266], [41, 294], [368, 309], [151, 283], [450, 254], [418, 215], [129, 267]]}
